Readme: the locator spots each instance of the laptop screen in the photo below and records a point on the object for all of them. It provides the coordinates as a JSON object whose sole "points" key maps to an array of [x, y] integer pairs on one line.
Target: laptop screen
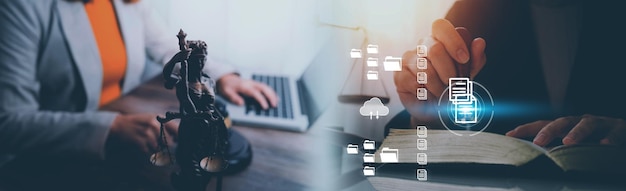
{"points": [[322, 80]]}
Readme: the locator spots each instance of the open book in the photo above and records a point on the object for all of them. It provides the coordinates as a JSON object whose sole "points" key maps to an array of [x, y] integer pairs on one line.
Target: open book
{"points": [[487, 151]]}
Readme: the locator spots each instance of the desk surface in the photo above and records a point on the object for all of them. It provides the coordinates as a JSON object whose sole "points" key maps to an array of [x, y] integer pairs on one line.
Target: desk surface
{"points": [[288, 160], [280, 159]]}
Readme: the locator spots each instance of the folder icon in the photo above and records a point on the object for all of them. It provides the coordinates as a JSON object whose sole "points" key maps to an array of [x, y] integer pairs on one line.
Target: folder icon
{"points": [[372, 75], [355, 53], [422, 175], [369, 145], [368, 158], [422, 78], [422, 144], [372, 62], [352, 149], [422, 63], [392, 63], [388, 155], [422, 132], [422, 51], [372, 49], [422, 159], [369, 171], [422, 94]]}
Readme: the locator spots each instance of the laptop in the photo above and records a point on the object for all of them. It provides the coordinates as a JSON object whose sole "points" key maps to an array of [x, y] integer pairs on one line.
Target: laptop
{"points": [[303, 98]]}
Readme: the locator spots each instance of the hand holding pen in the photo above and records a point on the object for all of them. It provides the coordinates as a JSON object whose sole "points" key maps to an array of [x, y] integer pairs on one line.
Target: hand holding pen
{"points": [[452, 52]]}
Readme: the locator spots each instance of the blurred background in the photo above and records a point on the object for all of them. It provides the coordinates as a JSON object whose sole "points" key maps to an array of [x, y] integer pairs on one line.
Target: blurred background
{"points": [[287, 35]]}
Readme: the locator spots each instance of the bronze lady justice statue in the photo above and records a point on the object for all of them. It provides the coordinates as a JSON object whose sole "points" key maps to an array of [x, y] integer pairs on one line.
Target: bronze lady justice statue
{"points": [[203, 138]]}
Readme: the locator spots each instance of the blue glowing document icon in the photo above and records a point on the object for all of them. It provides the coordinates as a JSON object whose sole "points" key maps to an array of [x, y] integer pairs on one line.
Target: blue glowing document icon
{"points": [[461, 94], [465, 112]]}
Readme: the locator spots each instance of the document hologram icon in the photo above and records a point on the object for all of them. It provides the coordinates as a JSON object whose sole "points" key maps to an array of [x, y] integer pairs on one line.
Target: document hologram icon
{"points": [[422, 131], [372, 62], [372, 49], [369, 145], [422, 159], [422, 145], [368, 158], [388, 155], [392, 63], [369, 171], [460, 90], [355, 53], [374, 107], [352, 149], [422, 63], [461, 94], [422, 78], [422, 51], [465, 113], [422, 94], [422, 175]]}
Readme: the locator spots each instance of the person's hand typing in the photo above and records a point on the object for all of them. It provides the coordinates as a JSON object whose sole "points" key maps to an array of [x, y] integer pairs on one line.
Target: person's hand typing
{"points": [[445, 47], [231, 86], [574, 130]]}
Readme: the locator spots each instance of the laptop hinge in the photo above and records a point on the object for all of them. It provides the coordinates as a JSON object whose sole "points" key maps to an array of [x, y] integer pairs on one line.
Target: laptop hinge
{"points": [[302, 91]]}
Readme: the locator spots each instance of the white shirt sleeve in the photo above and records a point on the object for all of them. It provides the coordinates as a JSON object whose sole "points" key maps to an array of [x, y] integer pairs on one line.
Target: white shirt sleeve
{"points": [[161, 46]]}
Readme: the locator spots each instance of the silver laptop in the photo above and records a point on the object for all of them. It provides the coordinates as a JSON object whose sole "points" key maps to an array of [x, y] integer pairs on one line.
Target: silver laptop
{"points": [[302, 98]]}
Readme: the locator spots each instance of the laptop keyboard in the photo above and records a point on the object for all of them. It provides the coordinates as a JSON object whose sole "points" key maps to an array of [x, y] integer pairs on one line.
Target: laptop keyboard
{"points": [[281, 87]]}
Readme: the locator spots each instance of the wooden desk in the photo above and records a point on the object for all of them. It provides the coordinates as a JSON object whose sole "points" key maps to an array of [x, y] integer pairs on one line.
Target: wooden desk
{"points": [[281, 160]]}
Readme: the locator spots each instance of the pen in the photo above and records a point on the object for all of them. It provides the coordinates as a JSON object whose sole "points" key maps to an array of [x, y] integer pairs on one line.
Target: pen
{"points": [[463, 70]]}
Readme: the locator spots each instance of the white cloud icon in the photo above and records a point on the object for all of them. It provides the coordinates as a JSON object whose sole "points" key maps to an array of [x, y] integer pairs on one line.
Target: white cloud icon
{"points": [[374, 107]]}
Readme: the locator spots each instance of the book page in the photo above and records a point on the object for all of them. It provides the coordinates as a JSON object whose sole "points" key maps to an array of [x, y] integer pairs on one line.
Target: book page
{"points": [[446, 147], [384, 183], [590, 158]]}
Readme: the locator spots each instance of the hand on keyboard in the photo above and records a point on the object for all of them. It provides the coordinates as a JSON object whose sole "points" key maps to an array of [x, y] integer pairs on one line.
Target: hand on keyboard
{"points": [[252, 105], [279, 85], [233, 87]]}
